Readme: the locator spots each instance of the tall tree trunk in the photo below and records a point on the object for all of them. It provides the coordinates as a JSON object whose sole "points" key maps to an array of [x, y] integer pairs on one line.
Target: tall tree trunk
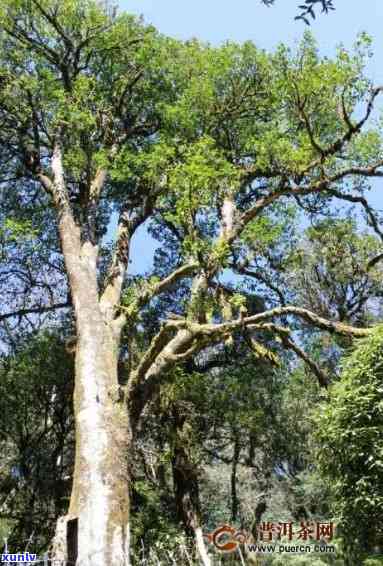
{"points": [[100, 492], [96, 530]]}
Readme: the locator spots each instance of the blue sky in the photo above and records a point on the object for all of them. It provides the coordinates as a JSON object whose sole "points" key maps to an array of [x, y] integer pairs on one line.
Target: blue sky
{"points": [[239, 20], [219, 20]]}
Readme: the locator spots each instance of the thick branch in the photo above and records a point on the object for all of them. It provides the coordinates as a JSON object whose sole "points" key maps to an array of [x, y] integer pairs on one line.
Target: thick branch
{"points": [[112, 293], [143, 385], [128, 223], [155, 348], [53, 21], [305, 314], [321, 186], [166, 283], [191, 337], [353, 128], [46, 183]]}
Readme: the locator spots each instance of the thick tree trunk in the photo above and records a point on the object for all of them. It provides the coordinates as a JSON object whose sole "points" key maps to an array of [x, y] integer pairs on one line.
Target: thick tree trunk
{"points": [[100, 491], [96, 530]]}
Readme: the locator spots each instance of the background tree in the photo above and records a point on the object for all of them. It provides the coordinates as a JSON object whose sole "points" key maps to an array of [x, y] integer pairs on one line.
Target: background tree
{"points": [[336, 270], [36, 439]]}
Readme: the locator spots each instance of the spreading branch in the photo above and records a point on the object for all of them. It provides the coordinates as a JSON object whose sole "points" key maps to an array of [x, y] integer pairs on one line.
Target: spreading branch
{"points": [[302, 313], [179, 340]]}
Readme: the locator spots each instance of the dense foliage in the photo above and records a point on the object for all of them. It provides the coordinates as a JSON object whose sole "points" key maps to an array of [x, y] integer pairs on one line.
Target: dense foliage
{"points": [[349, 431], [36, 438]]}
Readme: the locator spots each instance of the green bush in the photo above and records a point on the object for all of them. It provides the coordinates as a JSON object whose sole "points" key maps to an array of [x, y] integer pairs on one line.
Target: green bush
{"points": [[349, 430]]}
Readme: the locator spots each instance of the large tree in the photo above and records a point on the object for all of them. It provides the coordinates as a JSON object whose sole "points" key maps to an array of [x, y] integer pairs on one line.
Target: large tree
{"points": [[104, 119]]}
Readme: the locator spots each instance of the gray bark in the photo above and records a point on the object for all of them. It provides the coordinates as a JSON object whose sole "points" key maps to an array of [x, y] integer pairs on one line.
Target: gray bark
{"points": [[99, 503]]}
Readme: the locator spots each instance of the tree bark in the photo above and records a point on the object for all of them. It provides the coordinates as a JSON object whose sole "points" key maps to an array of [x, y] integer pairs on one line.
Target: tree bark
{"points": [[100, 492], [99, 506]]}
